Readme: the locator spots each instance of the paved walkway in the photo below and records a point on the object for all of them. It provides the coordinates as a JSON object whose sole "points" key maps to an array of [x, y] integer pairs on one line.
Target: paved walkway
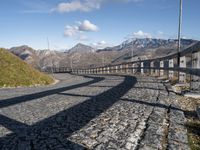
{"points": [[92, 112]]}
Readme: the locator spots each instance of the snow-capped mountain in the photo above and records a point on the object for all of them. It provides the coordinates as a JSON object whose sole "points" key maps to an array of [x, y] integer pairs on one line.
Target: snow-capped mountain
{"points": [[147, 43], [85, 56]]}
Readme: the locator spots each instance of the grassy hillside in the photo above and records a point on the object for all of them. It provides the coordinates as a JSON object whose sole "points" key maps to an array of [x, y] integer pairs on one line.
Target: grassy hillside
{"points": [[14, 72]]}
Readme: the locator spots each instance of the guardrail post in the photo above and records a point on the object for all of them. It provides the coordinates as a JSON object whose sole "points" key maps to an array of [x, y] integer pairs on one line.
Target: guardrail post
{"points": [[171, 65], [120, 69], [195, 83], [162, 68], [108, 70], [116, 69], [152, 68], [133, 68], [183, 64], [142, 68]]}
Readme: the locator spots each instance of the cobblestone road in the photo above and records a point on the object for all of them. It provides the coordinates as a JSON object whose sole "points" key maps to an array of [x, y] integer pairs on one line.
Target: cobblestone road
{"points": [[92, 112]]}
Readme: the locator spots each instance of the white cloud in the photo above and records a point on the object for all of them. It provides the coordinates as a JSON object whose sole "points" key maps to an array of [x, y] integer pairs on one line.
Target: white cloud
{"points": [[84, 5], [87, 26], [71, 30], [80, 27], [141, 34]]}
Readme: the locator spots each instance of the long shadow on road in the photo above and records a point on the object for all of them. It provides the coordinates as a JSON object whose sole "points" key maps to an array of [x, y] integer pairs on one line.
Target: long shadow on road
{"points": [[52, 133], [30, 97]]}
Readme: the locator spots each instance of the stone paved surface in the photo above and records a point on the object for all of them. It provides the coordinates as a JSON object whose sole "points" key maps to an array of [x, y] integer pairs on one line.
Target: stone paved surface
{"points": [[92, 112]]}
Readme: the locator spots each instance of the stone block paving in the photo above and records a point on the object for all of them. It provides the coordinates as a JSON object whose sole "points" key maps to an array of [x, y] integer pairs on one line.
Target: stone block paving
{"points": [[92, 112]]}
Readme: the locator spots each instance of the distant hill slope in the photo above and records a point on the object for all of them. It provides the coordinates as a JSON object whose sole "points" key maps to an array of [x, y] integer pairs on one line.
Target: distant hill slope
{"points": [[80, 48], [14, 72], [84, 56]]}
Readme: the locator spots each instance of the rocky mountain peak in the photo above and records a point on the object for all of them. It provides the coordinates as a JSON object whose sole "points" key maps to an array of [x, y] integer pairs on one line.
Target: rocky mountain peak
{"points": [[81, 48]]}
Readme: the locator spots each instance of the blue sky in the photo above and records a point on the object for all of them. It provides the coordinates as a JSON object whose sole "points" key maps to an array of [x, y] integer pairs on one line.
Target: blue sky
{"points": [[98, 23]]}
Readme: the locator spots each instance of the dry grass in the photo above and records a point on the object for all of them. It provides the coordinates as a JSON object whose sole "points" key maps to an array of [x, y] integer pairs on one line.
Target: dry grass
{"points": [[189, 106], [14, 72], [193, 128], [174, 80]]}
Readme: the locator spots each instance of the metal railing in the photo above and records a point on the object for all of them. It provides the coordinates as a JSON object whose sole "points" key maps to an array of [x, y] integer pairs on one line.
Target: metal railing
{"points": [[165, 66]]}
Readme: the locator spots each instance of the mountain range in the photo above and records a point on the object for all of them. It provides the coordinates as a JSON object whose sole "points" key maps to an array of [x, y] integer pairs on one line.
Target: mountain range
{"points": [[82, 56]]}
